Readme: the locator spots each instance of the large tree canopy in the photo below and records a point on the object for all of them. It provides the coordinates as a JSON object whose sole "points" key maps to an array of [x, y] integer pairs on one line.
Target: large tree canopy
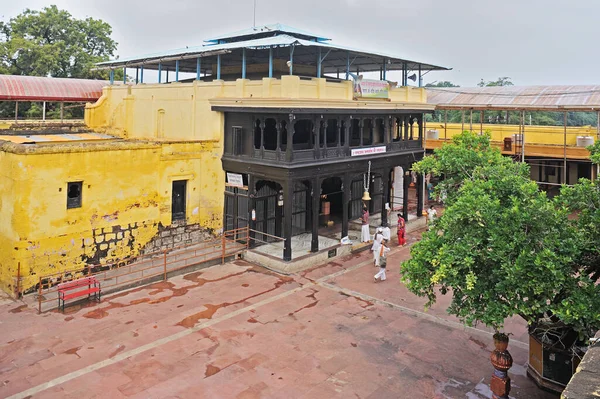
{"points": [[53, 43], [502, 248]]}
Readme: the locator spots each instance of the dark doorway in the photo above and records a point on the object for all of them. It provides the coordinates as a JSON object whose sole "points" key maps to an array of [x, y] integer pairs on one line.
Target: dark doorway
{"points": [[178, 200], [269, 210], [584, 171], [332, 196]]}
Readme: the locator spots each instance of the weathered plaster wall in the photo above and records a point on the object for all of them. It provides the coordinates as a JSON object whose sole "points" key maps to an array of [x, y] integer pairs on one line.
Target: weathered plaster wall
{"points": [[126, 200]]}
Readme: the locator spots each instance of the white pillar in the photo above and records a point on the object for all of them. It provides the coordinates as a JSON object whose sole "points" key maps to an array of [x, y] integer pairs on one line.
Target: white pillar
{"points": [[44, 111]]}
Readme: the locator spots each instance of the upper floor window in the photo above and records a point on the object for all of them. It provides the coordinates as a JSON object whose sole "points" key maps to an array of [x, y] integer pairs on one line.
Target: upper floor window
{"points": [[303, 134], [74, 194], [270, 134]]}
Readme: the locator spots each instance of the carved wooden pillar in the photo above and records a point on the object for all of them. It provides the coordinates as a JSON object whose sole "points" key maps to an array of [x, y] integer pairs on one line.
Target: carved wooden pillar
{"points": [[288, 201], [290, 139], [502, 361], [345, 201], [316, 197], [407, 181]]}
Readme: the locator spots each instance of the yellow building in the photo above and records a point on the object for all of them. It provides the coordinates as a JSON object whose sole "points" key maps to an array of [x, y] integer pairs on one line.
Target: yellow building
{"points": [[149, 171]]}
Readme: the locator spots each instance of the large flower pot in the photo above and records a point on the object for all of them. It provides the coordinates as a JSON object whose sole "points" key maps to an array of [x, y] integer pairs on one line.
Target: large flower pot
{"points": [[550, 368]]}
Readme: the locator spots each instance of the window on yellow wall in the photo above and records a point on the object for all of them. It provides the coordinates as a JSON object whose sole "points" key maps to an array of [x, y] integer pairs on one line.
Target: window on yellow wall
{"points": [[74, 194]]}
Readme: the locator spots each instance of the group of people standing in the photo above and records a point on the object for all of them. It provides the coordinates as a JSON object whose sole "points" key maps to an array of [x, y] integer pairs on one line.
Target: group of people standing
{"points": [[380, 242]]}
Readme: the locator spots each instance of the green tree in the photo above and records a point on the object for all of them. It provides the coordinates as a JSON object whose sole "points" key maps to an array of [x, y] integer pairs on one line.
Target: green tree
{"points": [[502, 248], [444, 83], [53, 43], [502, 81]]}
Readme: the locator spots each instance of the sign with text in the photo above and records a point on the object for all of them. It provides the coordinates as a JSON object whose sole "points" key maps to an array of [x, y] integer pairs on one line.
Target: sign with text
{"points": [[235, 179], [367, 151], [365, 88]]}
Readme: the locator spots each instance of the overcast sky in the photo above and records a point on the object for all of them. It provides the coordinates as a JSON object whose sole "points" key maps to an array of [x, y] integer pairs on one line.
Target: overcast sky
{"points": [[531, 41]]}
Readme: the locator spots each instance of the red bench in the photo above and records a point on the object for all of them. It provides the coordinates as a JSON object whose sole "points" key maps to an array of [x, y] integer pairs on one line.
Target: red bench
{"points": [[77, 288]]}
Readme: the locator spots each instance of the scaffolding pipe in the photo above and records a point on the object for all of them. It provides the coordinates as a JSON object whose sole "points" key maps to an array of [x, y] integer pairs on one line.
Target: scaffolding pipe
{"points": [[445, 125], [471, 121], [565, 150]]}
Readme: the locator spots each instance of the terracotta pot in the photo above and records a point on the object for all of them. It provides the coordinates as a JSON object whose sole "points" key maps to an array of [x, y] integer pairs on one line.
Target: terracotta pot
{"points": [[501, 360], [500, 345]]}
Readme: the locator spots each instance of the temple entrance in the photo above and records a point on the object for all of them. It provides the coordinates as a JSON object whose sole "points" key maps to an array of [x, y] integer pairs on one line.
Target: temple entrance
{"points": [[269, 210], [332, 205]]}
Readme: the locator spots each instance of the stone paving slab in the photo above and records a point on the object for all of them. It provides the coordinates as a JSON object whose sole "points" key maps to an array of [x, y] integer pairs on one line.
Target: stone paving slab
{"points": [[239, 331]]}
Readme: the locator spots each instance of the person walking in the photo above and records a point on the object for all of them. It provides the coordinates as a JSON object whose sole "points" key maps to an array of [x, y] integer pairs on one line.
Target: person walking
{"points": [[377, 239], [401, 230], [431, 216], [380, 276], [365, 234]]}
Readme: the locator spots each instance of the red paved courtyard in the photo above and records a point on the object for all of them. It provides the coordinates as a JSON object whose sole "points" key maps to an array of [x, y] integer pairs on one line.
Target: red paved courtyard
{"points": [[239, 331]]}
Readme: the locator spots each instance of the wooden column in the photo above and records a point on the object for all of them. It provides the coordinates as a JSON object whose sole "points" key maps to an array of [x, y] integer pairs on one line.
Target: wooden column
{"points": [[420, 199], [288, 198], [345, 201], [251, 207], [385, 179], [290, 137], [316, 188], [405, 193]]}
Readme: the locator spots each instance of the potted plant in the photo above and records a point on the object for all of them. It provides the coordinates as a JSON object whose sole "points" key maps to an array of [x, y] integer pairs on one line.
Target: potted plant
{"points": [[503, 248]]}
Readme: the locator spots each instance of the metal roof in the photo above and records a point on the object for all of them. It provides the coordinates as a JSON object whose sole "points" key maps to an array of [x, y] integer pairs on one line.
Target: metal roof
{"points": [[35, 88], [265, 29], [335, 56], [557, 98]]}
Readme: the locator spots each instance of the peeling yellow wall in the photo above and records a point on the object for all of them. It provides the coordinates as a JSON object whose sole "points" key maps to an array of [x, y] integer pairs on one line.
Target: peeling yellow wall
{"points": [[126, 194], [548, 135]]}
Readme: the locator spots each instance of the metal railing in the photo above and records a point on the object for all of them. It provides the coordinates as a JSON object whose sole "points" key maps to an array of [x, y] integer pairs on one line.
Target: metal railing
{"points": [[147, 267]]}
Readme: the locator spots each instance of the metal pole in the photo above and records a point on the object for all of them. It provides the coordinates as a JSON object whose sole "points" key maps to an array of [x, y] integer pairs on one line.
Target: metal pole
{"points": [[165, 265], [218, 66], [384, 70], [481, 122], [319, 63], [16, 111], [471, 120], [291, 60], [44, 111], [137, 74], [159, 72], [243, 63], [198, 68], [462, 129], [270, 62], [420, 77], [62, 111], [348, 66], [176, 70], [142, 74], [523, 136], [124, 74], [565, 150], [445, 125], [112, 76]]}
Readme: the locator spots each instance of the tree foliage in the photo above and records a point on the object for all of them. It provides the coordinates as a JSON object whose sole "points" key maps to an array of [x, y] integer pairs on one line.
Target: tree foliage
{"points": [[53, 43], [502, 248]]}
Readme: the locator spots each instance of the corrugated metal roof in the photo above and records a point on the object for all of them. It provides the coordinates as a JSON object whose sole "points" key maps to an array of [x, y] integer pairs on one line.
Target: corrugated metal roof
{"points": [[281, 40], [580, 97], [55, 138], [265, 29], [34, 88]]}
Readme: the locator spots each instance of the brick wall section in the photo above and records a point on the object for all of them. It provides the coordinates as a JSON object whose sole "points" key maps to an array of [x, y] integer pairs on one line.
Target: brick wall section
{"points": [[177, 235]]}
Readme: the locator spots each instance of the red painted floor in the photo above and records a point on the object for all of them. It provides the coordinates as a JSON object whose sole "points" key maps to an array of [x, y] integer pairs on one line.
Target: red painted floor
{"points": [[238, 331]]}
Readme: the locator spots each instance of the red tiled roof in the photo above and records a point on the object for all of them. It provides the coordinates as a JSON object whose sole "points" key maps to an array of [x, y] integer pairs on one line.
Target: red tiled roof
{"points": [[34, 88]]}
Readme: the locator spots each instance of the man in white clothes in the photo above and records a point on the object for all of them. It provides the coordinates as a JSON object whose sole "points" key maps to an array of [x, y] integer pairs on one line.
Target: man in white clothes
{"points": [[380, 276], [377, 239], [365, 234], [431, 216]]}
